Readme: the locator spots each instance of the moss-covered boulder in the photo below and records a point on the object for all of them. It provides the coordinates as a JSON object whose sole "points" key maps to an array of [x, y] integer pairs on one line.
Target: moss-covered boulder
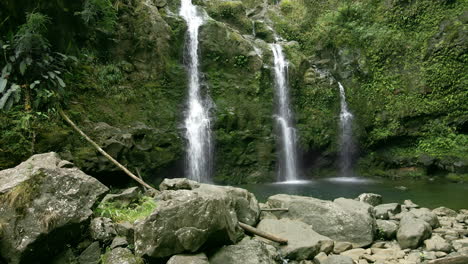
{"points": [[45, 201]]}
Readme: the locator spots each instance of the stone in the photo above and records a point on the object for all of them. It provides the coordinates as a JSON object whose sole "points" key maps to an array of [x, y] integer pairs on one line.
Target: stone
{"points": [[102, 229], [342, 247], [426, 215], [410, 204], [429, 255], [320, 258], [355, 253], [362, 261], [387, 229], [382, 211], [121, 256], [337, 259], [178, 184], [189, 259], [91, 255], [460, 243], [461, 218], [440, 254], [444, 211], [327, 246], [160, 3], [185, 221], [341, 220], [370, 198], [244, 203], [119, 242], [303, 242], [379, 244], [414, 257], [412, 231], [125, 229], [122, 199], [250, 252], [47, 204], [437, 243], [385, 254]]}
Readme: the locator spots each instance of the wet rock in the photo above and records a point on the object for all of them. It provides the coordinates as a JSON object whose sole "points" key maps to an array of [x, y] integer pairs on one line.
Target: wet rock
{"points": [[436, 243], [121, 256], [412, 231], [337, 259], [370, 198], [355, 253], [303, 241], [102, 229], [185, 221], [387, 229], [382, 211], [249, 252], [444, 211], [125, 229], [119, 242], [124, 198], [189, 259], [47, 204], [426, 215], [341, 220], [342, 247], [91, 255]]}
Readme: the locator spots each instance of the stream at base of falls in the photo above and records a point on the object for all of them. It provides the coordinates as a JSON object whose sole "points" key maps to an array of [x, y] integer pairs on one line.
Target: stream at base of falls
{"points": [[425, 193]]}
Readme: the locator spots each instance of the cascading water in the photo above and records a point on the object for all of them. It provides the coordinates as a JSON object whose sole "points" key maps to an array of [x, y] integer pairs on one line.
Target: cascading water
{"points": [[288, 162], [197, 119], [347, 147]]}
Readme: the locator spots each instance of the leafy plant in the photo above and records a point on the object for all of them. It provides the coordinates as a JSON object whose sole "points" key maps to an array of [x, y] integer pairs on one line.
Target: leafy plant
{"points": [[99, 14], [137, 210], [31, 70]]}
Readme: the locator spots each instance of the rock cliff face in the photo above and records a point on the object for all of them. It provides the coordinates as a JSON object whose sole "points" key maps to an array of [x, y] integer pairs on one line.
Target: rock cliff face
{"points": [[129, 89]]}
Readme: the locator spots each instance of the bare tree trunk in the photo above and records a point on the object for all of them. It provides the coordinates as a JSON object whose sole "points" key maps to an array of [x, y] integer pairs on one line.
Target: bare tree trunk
{"points": [[263, 234], [96, 146]]}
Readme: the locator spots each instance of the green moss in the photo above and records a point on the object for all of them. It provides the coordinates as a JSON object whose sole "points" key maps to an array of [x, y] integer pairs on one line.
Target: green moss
{"points": [[134, 211], [457, 177]]}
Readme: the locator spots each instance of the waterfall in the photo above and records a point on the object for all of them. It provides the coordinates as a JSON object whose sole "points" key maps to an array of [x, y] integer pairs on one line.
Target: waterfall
{"points": [[347, 146], [197, 119], [284, 117]]}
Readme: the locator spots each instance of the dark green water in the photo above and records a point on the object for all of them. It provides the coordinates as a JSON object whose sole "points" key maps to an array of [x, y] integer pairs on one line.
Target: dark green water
{"points": [[429, 194]]}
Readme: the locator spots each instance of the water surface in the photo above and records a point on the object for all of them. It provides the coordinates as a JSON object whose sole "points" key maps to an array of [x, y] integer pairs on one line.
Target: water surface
{"points": [[429, 194]]}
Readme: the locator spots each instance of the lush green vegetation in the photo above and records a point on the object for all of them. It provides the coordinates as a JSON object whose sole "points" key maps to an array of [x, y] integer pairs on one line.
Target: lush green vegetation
{"points": [[139, 209], [403, 64]]}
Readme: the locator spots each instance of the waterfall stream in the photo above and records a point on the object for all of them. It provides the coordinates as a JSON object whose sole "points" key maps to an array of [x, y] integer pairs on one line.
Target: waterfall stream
{"points": [[197, 119], [284, 118], [347, 147]]}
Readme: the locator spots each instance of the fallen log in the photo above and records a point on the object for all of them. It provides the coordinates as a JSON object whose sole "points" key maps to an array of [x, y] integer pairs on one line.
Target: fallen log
{"points": [[274, 209], [260, 233], [98, 148], [461, 259]]}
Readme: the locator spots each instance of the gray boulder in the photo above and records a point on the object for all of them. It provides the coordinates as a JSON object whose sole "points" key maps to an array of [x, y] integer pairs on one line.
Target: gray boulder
{"points": [[337, 259], [48, 202], [102, 229], [91, 255], [186, 220], [426, 215], [437, 243], [370, 198], [382, 211], [444, 211], [412, 231], [303, 242], [121, 256], [188, 259], [248, 252], [341, 220], [387, 229], [244, 203]]}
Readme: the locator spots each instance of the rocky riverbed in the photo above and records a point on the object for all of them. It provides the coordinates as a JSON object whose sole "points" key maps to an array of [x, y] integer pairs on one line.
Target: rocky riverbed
{"points": [[52, 212]]}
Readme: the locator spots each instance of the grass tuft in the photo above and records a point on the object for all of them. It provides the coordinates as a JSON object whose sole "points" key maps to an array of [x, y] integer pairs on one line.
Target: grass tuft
{"points": [[135, 211]]}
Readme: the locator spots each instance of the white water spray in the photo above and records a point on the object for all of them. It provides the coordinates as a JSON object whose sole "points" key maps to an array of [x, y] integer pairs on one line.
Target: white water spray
{"points": [[284, 117], [197, 119], [347, 147]]}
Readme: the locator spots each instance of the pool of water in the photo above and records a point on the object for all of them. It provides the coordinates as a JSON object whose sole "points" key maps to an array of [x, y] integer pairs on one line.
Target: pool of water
{"points": [[429, 194]]}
